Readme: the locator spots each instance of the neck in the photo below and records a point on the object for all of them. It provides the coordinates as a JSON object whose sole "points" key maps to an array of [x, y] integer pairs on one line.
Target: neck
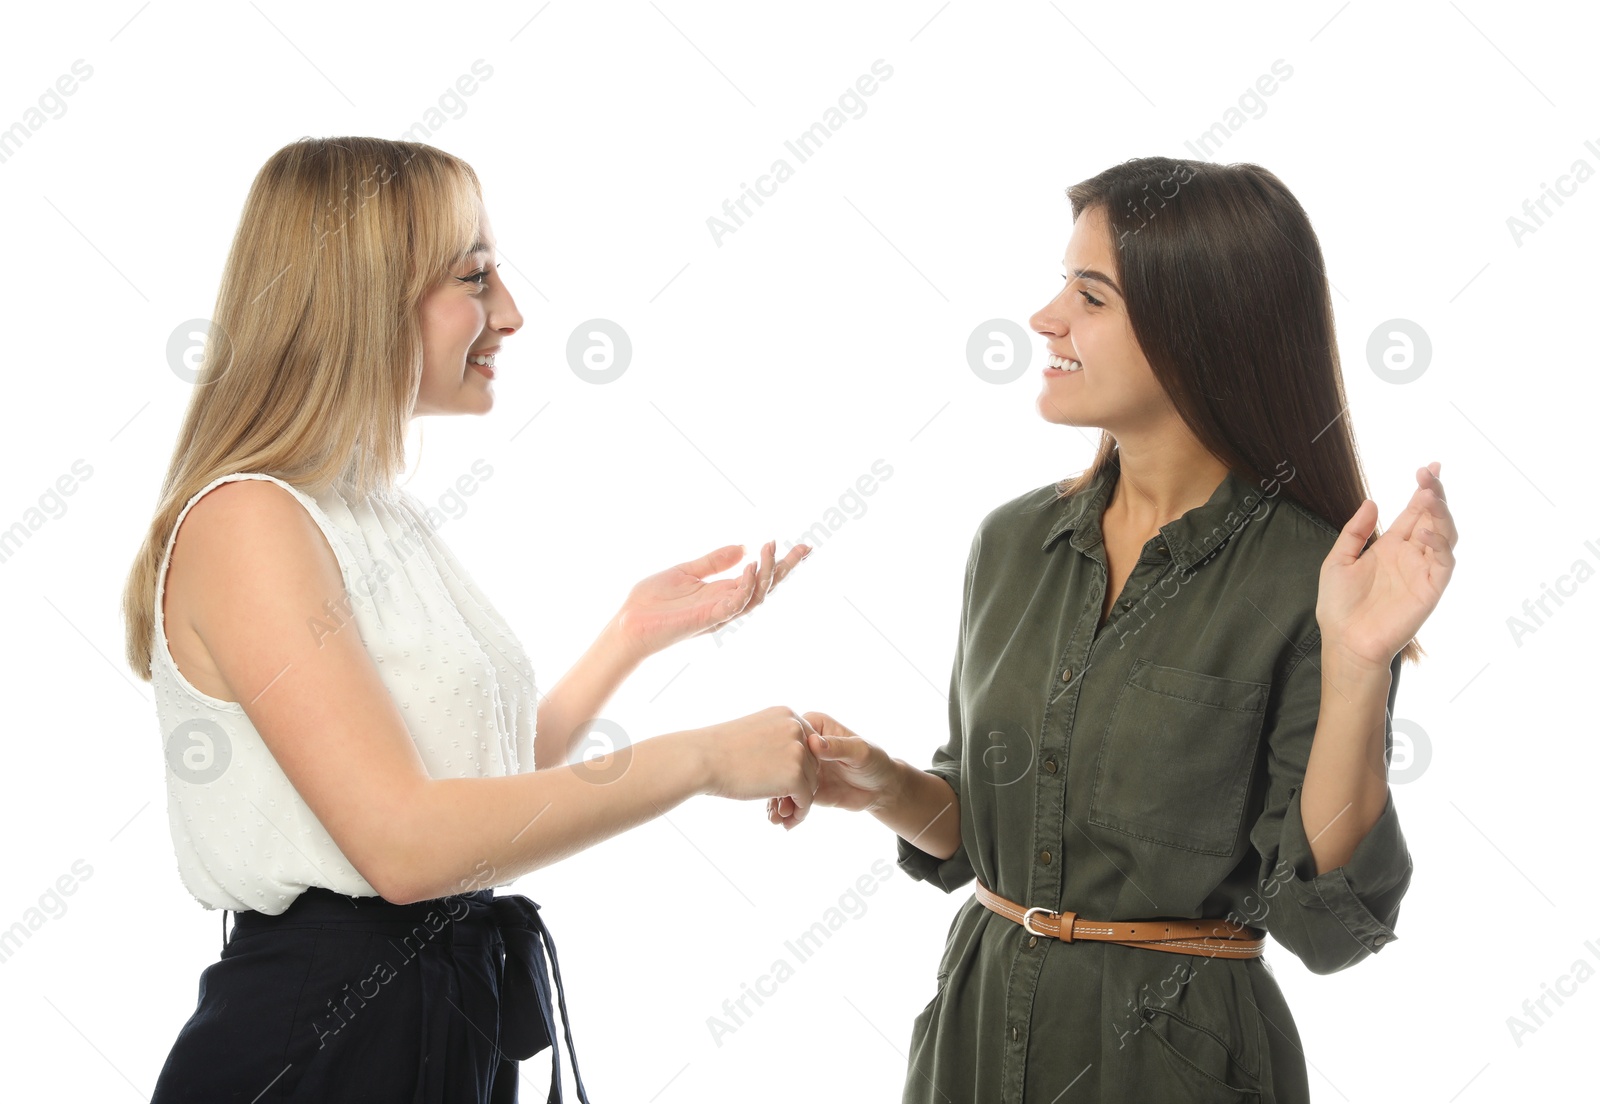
{"points": [[1161, 481]]}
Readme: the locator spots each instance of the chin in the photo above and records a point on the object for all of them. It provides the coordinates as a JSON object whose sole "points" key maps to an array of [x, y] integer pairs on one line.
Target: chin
{"points": [[1056, 414], [466, 403]]}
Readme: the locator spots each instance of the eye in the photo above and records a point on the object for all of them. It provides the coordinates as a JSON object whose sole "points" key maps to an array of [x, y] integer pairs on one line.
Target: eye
{"points": [[1092, 301], [477, 277]]}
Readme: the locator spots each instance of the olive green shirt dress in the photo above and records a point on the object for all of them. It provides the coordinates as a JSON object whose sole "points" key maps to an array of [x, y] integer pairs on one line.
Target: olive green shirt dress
{"points": [[1148, 767]]}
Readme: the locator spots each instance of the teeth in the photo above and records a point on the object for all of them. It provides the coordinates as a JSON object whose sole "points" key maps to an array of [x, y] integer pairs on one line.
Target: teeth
{"points": [[486, 361], [1065, 363]]}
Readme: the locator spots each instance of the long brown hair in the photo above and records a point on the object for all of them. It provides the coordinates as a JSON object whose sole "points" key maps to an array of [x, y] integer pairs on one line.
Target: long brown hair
{"points": [[1229, 300], [312, 364]]}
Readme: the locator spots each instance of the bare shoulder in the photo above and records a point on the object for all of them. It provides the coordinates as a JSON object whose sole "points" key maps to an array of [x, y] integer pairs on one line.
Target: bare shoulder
{"points": [[261, 577], [254, 507], [246, 551]]}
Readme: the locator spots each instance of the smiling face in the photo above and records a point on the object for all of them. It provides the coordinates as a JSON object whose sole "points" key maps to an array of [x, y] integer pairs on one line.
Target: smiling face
{"points": [[465, 315], [1087, 322]]}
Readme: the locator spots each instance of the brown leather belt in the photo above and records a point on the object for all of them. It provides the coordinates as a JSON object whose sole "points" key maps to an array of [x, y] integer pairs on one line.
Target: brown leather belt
{"points": [[1215, 938]]}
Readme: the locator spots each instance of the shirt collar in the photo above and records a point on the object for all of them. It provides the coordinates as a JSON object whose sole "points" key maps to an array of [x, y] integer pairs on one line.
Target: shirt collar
{"points": [[1190, 538]]}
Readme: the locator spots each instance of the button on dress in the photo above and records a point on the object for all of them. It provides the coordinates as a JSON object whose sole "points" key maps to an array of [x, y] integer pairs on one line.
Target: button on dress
{"points": [[1148, 767]]}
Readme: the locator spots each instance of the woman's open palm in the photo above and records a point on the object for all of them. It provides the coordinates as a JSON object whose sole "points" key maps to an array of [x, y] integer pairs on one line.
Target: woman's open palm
{"points": [[1370, 603], [679, 603]]}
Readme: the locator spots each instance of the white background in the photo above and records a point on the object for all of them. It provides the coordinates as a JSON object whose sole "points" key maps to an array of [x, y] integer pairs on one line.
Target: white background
{"points": [[769, 373]]}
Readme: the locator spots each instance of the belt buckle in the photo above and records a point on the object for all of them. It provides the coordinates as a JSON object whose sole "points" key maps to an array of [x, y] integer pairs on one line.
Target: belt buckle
{"points": [[1028, 916]]}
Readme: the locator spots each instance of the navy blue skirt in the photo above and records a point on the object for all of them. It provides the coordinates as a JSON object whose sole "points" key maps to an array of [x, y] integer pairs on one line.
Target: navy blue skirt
{"points": [[356, 999]]}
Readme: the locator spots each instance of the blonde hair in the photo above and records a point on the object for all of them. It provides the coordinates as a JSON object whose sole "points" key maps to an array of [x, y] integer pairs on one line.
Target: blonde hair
{"points": [[314, 358]]}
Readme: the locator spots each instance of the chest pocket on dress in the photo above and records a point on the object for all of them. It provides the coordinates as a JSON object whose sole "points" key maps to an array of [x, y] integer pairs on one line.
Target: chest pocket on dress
{"points": [[1175, 763]]}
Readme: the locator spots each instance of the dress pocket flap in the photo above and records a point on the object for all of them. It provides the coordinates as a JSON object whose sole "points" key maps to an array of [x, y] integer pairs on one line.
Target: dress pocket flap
{"points": [[1176, 758], [1212, 690]]}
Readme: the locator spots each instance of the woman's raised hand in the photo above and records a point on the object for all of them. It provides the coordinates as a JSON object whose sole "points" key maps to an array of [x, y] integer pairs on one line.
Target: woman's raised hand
{"points": [[855, 774], [678, 603], [1371, 603]]}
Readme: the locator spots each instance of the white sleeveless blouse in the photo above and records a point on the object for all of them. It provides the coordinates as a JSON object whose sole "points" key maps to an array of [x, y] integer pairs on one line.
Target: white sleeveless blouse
{"points": [[244, 838]]}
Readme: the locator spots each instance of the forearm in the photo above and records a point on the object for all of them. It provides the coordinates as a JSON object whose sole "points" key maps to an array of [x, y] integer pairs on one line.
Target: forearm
{"points": [[464, 834], [1346, 785], [923, 809], [581, 694]]}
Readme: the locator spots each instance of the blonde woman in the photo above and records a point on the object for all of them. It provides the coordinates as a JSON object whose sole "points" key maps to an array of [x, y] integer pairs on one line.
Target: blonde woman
{"points": [[349, 725]]}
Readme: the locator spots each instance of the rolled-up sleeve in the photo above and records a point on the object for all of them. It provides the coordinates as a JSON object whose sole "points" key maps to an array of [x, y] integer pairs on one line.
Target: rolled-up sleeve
{"points": [[1334, 919], [955, 872]]}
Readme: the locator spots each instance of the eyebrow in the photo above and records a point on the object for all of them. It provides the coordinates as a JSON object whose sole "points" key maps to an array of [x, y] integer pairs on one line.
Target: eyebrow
{"points": [[472, 250], [1097, 276]]}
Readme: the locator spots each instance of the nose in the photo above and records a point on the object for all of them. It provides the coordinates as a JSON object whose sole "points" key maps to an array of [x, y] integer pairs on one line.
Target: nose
{"points": [[1048, 320], [503, 316], [1039, 323]]}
